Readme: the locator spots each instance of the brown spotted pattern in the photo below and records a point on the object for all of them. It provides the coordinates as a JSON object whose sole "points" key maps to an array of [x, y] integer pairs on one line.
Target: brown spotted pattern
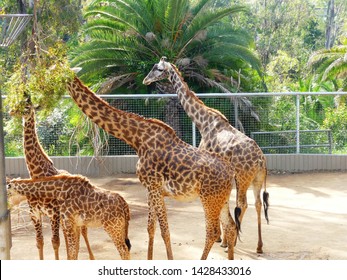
{"points": [[219, 136], [167, 166], [80, 204], [40, 165]]}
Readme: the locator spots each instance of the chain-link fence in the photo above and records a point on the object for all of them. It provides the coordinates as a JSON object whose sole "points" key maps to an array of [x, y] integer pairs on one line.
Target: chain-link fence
{"points": [[281, 123]]}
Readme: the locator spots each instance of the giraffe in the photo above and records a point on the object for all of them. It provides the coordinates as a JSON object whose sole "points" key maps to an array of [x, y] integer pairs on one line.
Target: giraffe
{"points": [[40, 165], [219, 136], [167, 167], [80, 204]]}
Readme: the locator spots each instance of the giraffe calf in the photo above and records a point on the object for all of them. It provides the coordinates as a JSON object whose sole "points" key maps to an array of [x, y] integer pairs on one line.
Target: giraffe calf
{"points": [[80, 204]]}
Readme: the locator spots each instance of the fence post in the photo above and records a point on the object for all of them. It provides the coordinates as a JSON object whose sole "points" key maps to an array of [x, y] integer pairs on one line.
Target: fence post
{"points": [[298, 124], [193, 134], [330, 139], [236, 113], [5, 226]]}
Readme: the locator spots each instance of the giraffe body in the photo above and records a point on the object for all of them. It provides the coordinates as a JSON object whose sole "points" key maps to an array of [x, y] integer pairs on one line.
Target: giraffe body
{"points": [[40, 165], [79, 204], [167, 166], [217, 135]]}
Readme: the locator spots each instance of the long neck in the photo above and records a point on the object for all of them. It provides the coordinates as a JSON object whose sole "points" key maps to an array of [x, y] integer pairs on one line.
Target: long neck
{"points": [[35, 188], [199, 113], [129, 127], [38, 162]]}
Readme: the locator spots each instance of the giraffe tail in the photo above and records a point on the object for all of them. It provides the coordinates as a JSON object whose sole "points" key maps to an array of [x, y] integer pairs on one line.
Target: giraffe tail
{"points": [[266, 199], [127, 219], [127, 242], [237, 213]]}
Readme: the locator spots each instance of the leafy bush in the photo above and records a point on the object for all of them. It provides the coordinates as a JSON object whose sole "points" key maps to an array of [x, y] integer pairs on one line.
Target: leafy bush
{"points": [[44, 80], [336, 120]]}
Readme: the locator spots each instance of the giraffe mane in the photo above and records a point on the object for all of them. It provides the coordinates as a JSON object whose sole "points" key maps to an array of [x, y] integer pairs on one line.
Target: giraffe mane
{"points": [[193, 95], [165, 126], [54, 177]]}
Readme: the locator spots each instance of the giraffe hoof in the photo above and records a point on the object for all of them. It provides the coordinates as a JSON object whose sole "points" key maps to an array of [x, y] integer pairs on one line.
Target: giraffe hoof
{"points": [[260, 251], [224, 245], [219, 240]]}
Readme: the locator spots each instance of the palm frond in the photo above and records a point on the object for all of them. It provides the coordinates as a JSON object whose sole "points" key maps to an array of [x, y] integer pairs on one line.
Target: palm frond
{"points": [[115, 82], [203, 21], [329, 64], [235, 52]]}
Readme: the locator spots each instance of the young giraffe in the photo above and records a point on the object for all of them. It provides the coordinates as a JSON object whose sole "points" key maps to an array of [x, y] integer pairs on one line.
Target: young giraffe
{"points": [[80, 204], [40, 165], [220, 137], [167, 166]]}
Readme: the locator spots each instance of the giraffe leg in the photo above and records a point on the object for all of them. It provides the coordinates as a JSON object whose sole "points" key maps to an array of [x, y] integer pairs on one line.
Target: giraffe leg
{"points": [[119, 236], [258, 205], [151, 224], [65, 238], [223, 239], [37, 221], [84, 232], [72, 236], [55, 222], [230, 230], [160, 211], [241, 204], [257, 186], [212, 209]]}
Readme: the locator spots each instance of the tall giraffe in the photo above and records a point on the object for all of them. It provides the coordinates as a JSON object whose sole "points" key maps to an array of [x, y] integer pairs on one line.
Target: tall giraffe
{"points": [[40, 165], [80, 204], [219, 136], [167, 166]]}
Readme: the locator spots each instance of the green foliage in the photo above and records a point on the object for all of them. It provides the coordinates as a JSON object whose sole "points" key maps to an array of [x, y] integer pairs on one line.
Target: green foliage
{"points": [[125, 39], [331, 65], [282, 113], [336, 120], [282, 72], [312, 35], [45, 83]]}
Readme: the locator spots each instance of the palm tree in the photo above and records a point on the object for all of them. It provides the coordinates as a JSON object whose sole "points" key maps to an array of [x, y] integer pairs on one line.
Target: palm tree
{"points": [[331, 65], [124, 38]]}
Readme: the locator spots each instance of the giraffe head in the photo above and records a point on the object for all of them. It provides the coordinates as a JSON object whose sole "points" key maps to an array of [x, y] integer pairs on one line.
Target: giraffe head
{"points": [[24, 109], [160, 71], [13, 197]]}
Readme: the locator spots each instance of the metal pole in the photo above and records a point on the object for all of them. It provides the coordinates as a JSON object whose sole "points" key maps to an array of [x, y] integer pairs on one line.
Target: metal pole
{"points": [[7, 36], [236, 113], [5, 229], [298, 124], [193, 134]]}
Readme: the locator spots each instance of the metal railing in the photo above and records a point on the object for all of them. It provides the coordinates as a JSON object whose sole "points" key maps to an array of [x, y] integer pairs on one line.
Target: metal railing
{"points": [[155, 105], [327, 142]]}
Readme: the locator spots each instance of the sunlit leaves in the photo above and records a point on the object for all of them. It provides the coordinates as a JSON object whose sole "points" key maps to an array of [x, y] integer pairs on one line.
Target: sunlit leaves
{"points": [[45, 83]]}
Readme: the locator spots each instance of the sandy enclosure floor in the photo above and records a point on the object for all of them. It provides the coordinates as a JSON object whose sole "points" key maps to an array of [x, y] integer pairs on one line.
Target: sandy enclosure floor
{"points": [[308, 221]]}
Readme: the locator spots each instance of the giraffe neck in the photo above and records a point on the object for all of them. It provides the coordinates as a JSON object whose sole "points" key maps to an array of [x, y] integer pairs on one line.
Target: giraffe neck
{"points": [[35, 188], [38, 162], [199, 113], [136, 131]]}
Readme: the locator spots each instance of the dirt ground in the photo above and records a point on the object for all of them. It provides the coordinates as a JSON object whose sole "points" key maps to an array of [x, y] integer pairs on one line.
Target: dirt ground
{"points": [[308, 221]]}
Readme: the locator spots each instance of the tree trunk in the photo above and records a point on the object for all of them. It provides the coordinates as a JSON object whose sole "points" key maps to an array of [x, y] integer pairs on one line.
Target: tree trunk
{"points": [[330, 25]]}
